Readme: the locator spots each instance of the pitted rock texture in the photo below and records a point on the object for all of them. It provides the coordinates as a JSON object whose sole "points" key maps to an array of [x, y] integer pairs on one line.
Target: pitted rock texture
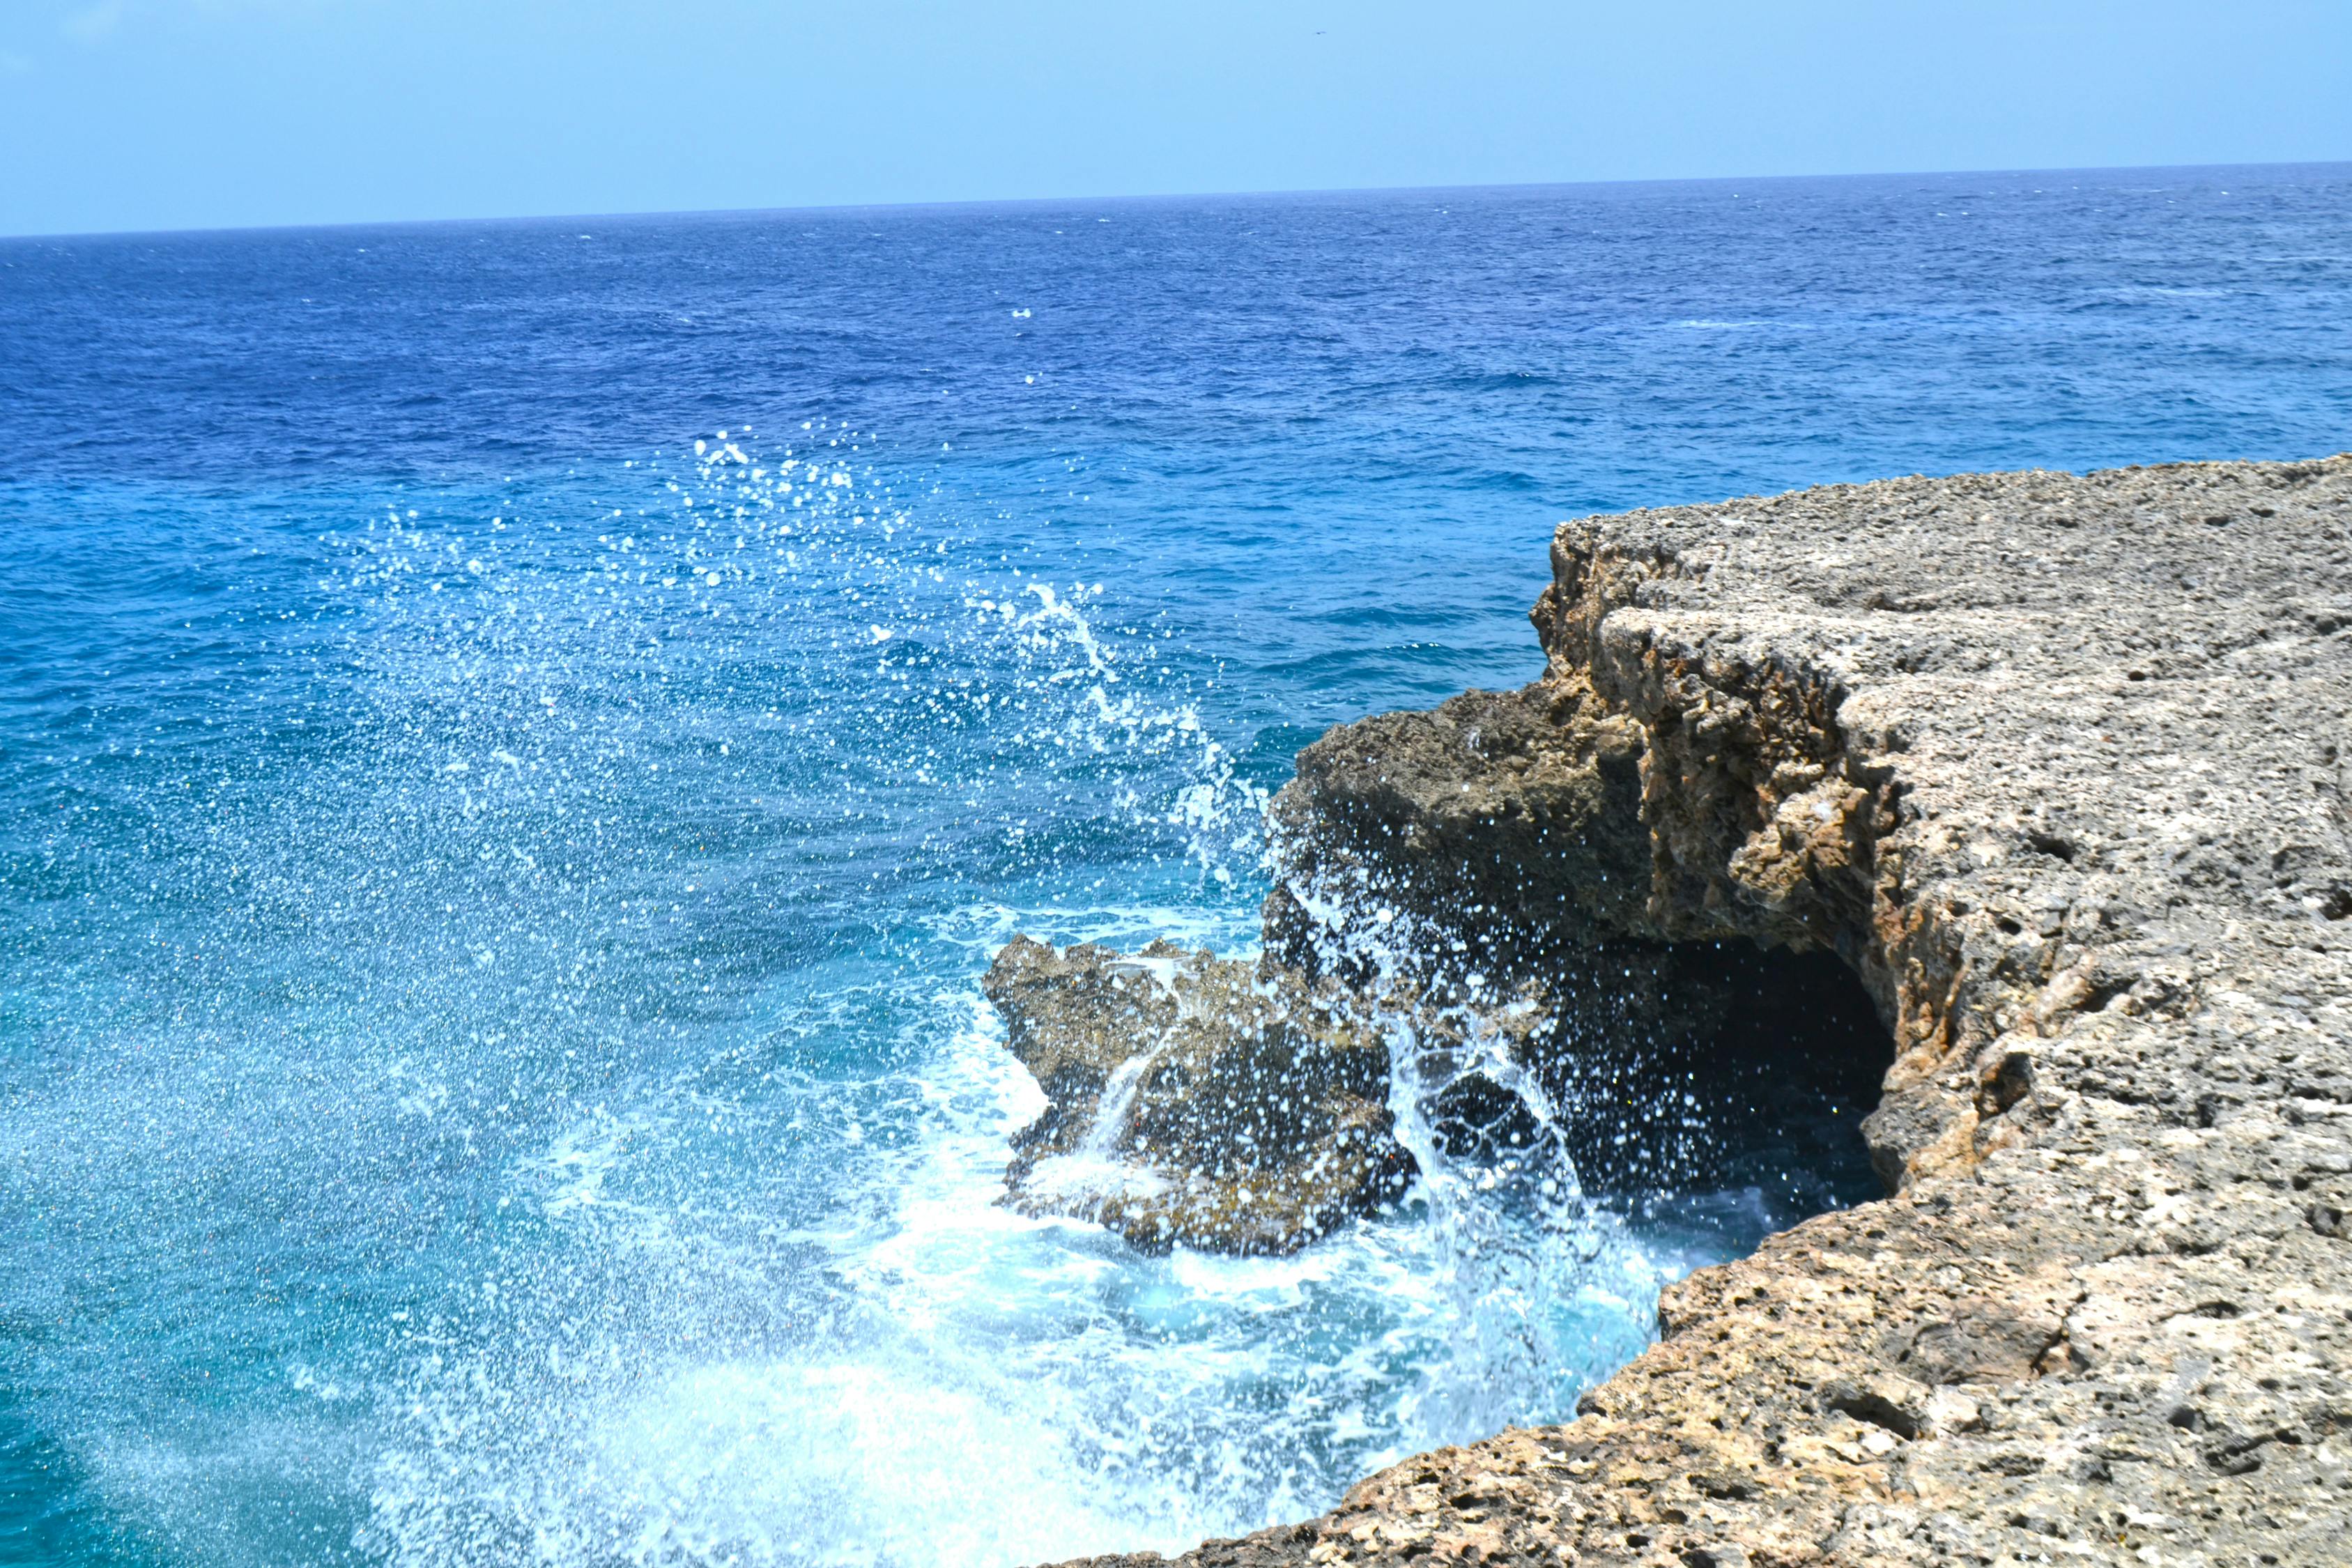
{"points": [[1193, 1101], [2056, 764]]}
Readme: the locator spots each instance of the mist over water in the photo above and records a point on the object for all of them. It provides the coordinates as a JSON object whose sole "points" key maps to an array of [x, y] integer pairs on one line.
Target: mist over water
{"points": [[498, 870]]}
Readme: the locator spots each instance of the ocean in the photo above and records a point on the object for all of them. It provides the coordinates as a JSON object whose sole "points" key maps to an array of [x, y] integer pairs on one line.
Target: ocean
{"points": [[518, 741]]}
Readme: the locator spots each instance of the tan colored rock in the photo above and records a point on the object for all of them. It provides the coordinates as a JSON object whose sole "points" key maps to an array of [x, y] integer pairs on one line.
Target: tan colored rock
{"points": [[1193, 1101], [2057, 765]]}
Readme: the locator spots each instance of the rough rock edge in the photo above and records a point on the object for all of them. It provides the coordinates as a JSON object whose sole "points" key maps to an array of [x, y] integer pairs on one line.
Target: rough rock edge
{"points": [[1255, 1117], [2056, 763]]}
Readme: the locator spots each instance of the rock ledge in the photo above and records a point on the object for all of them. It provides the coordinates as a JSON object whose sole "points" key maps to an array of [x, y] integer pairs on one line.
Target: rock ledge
{"points": [[2055, 763]]}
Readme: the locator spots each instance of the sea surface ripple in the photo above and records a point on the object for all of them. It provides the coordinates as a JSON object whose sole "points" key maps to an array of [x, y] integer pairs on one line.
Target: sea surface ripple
{"points": [[517, 742]]}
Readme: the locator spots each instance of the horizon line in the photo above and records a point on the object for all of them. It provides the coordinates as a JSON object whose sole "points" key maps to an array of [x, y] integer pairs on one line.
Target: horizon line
{"points": [[965, 203]]}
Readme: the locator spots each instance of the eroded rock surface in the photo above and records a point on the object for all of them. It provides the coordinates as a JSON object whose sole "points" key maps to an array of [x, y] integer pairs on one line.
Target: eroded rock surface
{"points": [[2056, 764], [1193, 1101]]}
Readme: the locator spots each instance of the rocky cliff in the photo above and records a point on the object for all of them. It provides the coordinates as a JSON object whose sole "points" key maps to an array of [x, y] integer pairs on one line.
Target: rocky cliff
{"points": [[2056, 765]]}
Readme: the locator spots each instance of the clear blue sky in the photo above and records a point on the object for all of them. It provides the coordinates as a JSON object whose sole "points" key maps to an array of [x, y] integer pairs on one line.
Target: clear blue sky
{"points": [[138, 114]]}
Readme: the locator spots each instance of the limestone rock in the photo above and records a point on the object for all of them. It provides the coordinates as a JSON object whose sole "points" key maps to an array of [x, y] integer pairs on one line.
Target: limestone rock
{"points": [[2057, 765]]}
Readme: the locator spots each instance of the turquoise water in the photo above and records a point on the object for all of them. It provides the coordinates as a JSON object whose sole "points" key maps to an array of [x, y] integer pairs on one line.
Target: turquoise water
{"points": [[493, 1065]]}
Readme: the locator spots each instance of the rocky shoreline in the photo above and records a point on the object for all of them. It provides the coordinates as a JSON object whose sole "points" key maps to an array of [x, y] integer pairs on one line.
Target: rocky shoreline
{"points": [[2055, 764]]}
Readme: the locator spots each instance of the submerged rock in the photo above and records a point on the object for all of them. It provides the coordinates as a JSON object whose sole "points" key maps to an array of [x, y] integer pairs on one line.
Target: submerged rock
{"points": [[1192, 1100]]}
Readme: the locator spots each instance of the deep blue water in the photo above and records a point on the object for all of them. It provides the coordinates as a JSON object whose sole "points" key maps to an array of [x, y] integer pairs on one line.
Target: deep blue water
{"points": [[491, 1063]]}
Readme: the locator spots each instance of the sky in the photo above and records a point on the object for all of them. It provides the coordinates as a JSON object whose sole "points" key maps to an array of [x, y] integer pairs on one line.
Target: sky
{"points": [[154, 115]]}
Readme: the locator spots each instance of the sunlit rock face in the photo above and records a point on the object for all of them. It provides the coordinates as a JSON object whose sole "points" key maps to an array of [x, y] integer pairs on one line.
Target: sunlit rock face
{"points": [[1195, 1102]]}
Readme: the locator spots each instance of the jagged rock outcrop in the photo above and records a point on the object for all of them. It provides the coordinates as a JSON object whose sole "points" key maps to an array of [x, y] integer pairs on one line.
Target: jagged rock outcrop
{"points": [[2056, 764], [1235, 1107], [1192, 1100]]}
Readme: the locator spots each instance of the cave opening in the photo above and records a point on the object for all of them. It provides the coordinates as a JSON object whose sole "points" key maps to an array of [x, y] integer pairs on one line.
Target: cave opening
{"points": [[1682, 1070]]}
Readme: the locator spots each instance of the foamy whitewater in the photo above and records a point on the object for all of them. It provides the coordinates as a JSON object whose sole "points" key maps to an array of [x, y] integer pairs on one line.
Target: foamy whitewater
{"points": [[517, 743]]}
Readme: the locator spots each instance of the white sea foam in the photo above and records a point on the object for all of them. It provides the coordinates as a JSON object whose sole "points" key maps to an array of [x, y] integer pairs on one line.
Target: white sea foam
{"points": [[1094, 1172], [977, 1355]]}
